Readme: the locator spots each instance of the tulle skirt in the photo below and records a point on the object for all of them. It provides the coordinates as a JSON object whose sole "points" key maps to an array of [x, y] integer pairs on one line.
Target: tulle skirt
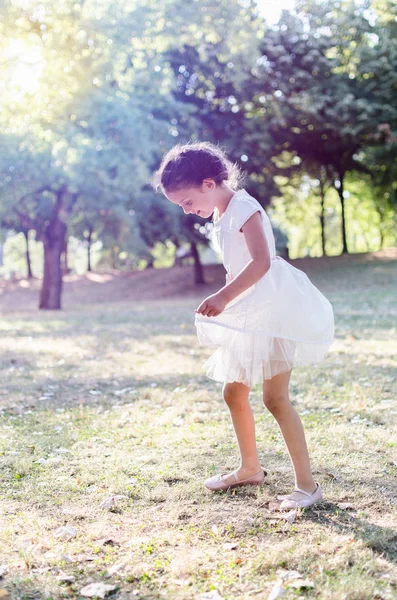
{"points": [[281, 322]]}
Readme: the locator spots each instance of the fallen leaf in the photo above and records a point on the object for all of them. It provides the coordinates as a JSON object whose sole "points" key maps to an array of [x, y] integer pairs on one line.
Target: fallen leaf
{"points": [[65, 578], [114, 569], [67, 558], [112, 501], [291, 516], [215, 529], [284, 574], [4, 594], [330, 475], [230, 546], [97, 589], [345, 505], [277, 591], [66, 532], [3, 570]]}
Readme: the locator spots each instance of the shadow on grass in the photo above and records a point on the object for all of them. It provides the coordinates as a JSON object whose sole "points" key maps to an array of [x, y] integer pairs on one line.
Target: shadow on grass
{"points": [[76, 392], [381, 540]]}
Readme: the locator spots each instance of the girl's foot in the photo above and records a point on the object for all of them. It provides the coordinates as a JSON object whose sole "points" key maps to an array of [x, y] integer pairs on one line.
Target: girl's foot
{"points": [[301, 498], [235, 479]]}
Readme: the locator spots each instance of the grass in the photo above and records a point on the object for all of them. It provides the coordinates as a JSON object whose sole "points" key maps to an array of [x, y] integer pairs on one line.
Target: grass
{"points": [[109, 400]]}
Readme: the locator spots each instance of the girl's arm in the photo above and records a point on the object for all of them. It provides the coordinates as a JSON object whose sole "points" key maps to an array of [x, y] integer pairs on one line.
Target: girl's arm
{"points": [[259, 264]]}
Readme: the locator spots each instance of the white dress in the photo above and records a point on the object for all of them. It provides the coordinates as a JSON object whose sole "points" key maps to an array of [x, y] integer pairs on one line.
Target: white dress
{"points": [[280, 322]]}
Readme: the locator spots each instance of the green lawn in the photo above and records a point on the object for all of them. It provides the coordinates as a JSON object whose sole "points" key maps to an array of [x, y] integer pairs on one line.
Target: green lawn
{"points": [[108, 426]]}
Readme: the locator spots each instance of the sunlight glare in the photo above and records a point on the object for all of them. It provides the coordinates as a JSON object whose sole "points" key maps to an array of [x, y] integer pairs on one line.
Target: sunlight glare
{"points": [[25, 68], [271, 10]]}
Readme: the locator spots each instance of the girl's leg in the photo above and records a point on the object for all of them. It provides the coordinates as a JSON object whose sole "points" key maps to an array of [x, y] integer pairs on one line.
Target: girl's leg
{"points": [[236, 397], [276, 399]]}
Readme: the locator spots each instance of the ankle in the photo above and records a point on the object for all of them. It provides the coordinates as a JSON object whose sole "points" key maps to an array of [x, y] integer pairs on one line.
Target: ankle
{"points": [[250, 469], [309, 485]]}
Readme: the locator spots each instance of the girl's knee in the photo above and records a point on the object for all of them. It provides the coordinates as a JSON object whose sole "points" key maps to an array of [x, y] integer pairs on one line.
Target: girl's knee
{"points": [[235, 392], [276, 403]]}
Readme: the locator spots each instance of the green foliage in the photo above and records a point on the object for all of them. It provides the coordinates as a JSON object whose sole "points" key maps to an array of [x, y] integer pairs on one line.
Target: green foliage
{"points": [[310, 99]]}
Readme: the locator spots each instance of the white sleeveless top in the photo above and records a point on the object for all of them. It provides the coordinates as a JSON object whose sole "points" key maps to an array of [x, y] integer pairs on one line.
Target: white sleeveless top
{"points": [[230, 241]]}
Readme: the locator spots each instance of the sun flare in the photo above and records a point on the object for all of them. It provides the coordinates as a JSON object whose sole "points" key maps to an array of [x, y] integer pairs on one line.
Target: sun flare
{"points": [[25, 66]]}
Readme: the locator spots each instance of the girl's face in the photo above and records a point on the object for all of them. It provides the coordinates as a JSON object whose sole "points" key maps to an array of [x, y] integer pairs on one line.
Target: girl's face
{"points": [[199, 201]]}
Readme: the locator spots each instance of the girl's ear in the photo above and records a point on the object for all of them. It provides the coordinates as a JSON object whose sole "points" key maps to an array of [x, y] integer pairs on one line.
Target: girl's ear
{"points": [[209, 183]]}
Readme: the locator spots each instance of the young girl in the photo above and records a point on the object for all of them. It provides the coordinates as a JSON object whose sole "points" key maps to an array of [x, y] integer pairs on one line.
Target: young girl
{"points": [[266, 319]]}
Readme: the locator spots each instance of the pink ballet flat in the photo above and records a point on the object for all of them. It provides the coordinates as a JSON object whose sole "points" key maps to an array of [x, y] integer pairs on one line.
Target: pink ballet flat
{"points": [[288, 503], [217, 483]]}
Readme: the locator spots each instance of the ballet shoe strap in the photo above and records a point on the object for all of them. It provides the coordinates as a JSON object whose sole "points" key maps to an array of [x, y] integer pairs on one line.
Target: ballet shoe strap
{"points": [[306, 493], [223, 475]]}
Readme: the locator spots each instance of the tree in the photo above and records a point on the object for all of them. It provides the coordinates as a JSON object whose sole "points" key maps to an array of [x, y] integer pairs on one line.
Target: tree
{"points": [[84, 149], [320, 111]]}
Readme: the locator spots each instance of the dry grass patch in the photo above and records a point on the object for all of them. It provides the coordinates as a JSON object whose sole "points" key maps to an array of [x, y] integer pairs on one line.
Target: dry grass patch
{"points": [[109, 427]]}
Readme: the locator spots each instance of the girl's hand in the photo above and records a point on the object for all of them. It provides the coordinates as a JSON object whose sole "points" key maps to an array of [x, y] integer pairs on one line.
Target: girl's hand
{"points": [[212, 306]]}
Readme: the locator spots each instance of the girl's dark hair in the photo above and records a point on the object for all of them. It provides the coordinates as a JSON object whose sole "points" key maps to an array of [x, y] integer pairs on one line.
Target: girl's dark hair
{"points": [[187, 165]]}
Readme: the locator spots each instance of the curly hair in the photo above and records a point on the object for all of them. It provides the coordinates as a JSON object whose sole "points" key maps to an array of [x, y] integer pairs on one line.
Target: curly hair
{"points": [[187, 165]]}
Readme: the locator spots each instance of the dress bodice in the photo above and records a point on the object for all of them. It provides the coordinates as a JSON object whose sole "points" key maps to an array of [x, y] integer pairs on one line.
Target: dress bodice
{"points": [[228, 238]]}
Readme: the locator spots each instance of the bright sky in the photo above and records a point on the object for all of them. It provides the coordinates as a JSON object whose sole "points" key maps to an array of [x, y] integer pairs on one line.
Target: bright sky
{"points": [[271, 9]]}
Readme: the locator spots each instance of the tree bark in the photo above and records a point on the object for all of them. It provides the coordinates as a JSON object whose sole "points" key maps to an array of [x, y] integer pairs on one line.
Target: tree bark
{"points": [[322, 215], [382, 238], [150, 263], [89, 239], [177, 245], [28, 262], [342, 202], [54, 243], [114, 257], [198, 267]]}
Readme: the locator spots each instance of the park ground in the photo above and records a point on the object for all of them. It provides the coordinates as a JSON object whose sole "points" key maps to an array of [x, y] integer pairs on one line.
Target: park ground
{"points": [[109, 427]]}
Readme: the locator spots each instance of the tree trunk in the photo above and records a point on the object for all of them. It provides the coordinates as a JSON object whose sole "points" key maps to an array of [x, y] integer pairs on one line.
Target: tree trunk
{"points": [[342, 202], [198, 268], [381, 235], [150, 263], [28, 263], [89, 239], [114, 257], [322, 215], [177, 246], [54, 242]]}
